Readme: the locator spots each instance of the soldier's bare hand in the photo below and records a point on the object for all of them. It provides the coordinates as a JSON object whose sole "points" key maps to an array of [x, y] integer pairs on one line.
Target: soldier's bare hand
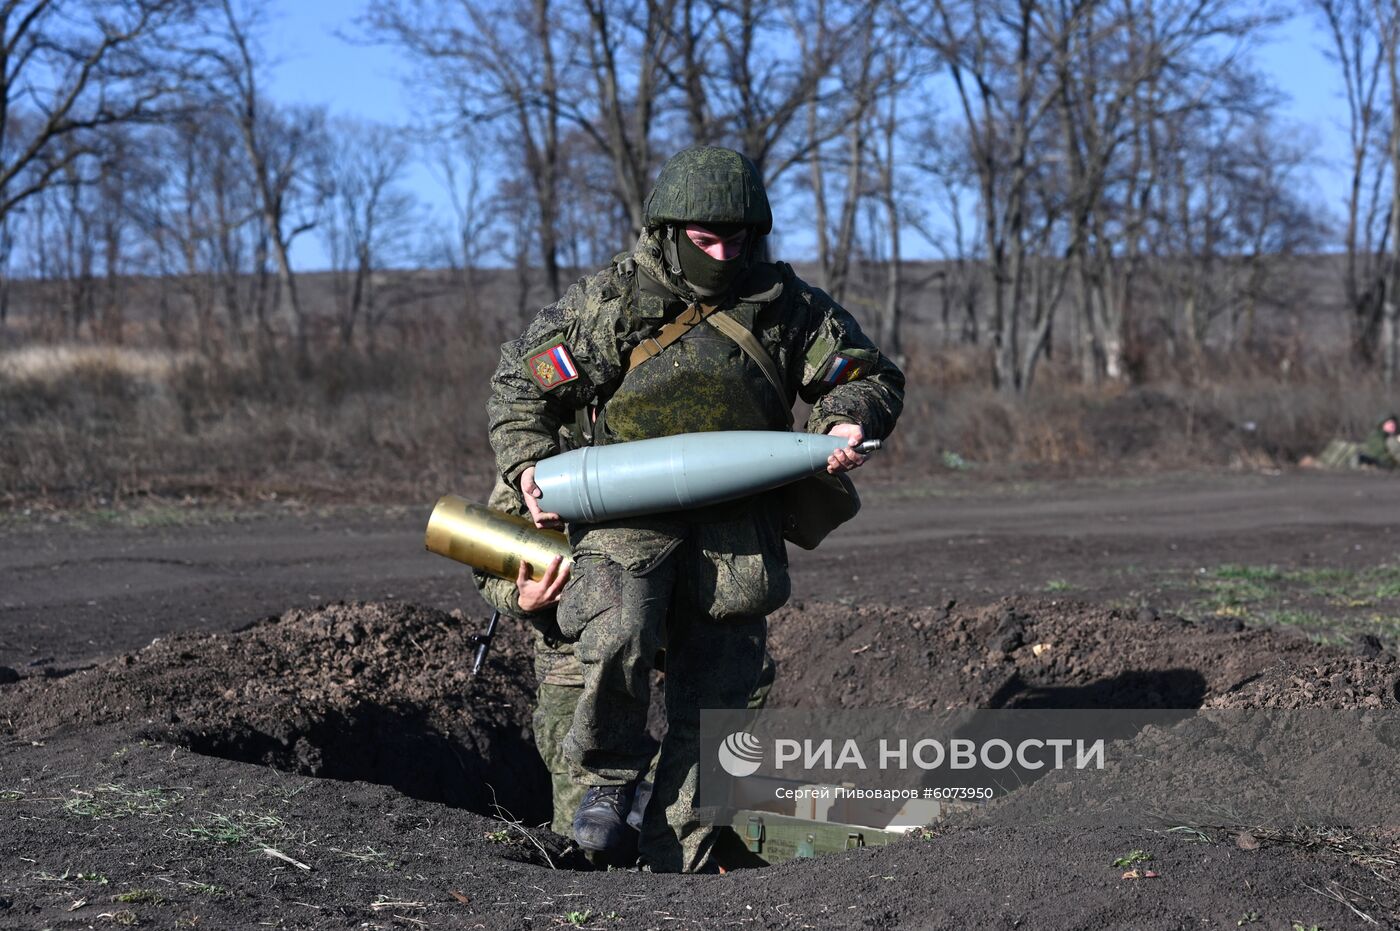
{"points": [[844, 460], [545, 520], [536, 596]]}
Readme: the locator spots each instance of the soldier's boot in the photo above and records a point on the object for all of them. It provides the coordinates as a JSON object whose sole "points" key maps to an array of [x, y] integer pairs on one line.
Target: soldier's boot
{"points": [[600, 824]]}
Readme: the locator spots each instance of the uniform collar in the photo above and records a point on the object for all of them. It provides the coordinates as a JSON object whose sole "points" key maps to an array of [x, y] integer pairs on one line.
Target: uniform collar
{"points": [[761, 283]]}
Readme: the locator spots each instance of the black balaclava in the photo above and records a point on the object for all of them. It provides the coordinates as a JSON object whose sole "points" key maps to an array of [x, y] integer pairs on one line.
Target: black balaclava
{"points": [[706, 276]]}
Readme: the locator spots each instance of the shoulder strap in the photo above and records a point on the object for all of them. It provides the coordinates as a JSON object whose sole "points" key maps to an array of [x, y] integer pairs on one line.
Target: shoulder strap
{"points": [[755, 351], [668, 334], [688, 319]]}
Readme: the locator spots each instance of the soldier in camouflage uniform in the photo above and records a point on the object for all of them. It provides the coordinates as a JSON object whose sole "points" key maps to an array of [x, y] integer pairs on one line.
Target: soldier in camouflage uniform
{"points": [[1382, 447], [1380, 450], [558, 675], [699, 582]]}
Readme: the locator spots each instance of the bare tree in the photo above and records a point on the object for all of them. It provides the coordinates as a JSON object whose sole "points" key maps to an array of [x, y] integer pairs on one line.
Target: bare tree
{"points": [[1359, 50], [496, 64], [280, 145], [1387, 23], [69, 68], [1207, 179], [887, 190], [164, 210], [1122, 69], [370, 218], [620, 32], [72, 245], [1101, 92], [85, 238], [847, 125], [999, 74], [460, 168], [896, 69], [572, 88], [1271, 223], [942, 221], [694, 20], [761, 63], [1098, 69], [7, 256], [594, 225]]}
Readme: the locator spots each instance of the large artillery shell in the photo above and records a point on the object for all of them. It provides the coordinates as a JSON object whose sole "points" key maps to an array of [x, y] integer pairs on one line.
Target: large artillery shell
{"points": [[493, 541], [673, 473]]}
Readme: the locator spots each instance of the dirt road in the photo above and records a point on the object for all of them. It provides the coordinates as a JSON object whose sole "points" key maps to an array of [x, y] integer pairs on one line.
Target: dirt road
{"points": [[337, 767], [72, 595]]}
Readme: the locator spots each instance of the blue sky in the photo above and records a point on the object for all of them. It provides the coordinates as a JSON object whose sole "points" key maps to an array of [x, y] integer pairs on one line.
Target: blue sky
{"points": [[315, 65]]}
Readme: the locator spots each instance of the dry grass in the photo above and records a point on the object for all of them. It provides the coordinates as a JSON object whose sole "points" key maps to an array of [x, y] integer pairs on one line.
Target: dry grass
{"points": [[78, 426], [48, 365], [88, 423], [1240, 412]]}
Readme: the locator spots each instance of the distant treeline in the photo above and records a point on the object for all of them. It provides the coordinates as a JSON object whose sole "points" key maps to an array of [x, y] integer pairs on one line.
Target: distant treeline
{"points": [[1100, 177]]}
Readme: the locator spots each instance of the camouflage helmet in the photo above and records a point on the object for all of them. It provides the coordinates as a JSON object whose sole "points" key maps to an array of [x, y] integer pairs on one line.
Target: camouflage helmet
{"points": [[709, 184]]}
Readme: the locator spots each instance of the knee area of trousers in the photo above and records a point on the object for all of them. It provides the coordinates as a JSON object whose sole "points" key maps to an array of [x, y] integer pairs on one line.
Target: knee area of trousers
{"points": [[594, 590], [618, 633], [557, 701]]}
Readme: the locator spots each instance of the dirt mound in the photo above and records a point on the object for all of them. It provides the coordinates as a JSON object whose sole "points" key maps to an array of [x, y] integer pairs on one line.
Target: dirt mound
{"points": [[373, 692], [1293, 731], [379, 693], [1338, 682], [1030, 653], [382, 693]]}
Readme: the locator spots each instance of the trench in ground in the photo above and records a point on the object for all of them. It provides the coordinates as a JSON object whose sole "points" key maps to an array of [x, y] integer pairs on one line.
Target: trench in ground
{"points": [[498, 772], [493, 771]]}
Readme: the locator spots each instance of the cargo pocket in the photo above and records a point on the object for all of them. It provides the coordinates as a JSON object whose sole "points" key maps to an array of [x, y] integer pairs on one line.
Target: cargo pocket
{"points": [[742, 569], [594, 586], [555, 664], [599, 583]]}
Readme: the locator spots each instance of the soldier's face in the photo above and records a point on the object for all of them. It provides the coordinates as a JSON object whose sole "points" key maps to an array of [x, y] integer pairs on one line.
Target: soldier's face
{"points": [[720, 248], [1389, 427]]}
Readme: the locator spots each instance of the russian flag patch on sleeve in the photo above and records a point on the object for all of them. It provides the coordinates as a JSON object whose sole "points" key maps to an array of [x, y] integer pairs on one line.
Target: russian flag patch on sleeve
{"points": [[843, 368], [552, 366]]}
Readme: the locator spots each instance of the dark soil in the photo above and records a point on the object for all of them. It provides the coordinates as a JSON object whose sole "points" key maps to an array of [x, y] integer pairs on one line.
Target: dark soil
{"points": [[148, 788], [138, 771], [374, 693], [1325, 682], [1037, 653], [382, 860]]}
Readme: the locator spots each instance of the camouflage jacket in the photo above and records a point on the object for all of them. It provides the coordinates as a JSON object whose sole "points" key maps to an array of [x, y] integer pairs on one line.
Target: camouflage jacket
{"points": [[1381, 449], [573, 356]]}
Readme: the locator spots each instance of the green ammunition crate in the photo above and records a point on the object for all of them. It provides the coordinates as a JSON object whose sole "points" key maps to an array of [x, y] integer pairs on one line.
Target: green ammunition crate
{"points": [[776, 838]]}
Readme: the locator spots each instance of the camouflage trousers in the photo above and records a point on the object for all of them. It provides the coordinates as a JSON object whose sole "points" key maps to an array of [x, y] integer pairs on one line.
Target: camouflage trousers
{"points": [[560, 683], [560, 692], [1340, 454]]}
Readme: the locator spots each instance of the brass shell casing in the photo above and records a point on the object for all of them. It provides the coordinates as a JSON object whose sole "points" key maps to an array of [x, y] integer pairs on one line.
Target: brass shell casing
{"points": [[490, 540]]}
